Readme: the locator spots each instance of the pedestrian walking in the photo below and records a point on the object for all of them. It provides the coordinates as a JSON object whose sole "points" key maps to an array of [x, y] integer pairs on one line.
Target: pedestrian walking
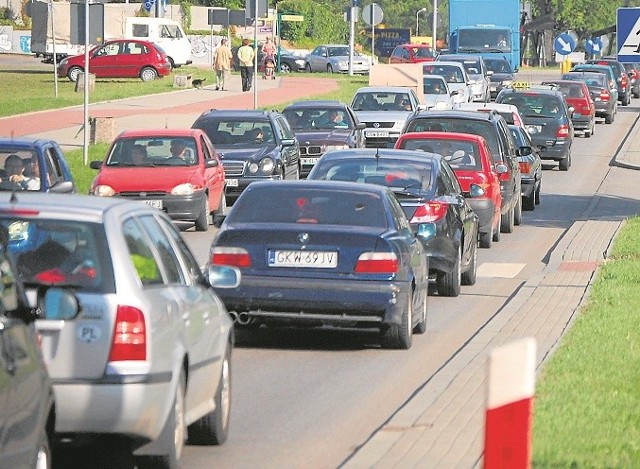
{"points": [[222, 64], [246, 55]]}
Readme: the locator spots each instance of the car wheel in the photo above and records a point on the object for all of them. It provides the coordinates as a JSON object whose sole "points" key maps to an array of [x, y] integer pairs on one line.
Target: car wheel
{"points": [[449, 283], [496, 231], [469, 277], [537, 194], [73, 73], [486, 239], [222, 206], [421, 327], [172, 63], [176, 431], [202, 222], [329, 68], [517, 212], [564, 163], [285, 67], [213, 428], [148, 74], [529, 203], [307, 67], [506, 221], [399, 336], [608, 119]]}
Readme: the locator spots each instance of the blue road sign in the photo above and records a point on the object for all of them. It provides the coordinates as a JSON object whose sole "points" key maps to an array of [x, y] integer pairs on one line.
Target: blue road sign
{"points": [[149, 4], [564, 44], [628, 34], [593, 46]]}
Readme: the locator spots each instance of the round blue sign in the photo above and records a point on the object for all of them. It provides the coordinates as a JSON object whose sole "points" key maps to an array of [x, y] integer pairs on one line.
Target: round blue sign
{"points": [[564, 44], [593, 46]]}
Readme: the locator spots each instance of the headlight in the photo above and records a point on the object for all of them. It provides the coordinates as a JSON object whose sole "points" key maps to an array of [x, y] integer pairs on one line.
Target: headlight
{"points": [[343, 63], [300, 62], [103, 191], [335, 147], [182, 189], [265, 166]]}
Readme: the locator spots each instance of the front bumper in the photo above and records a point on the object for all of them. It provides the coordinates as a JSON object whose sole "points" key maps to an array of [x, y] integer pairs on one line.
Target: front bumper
{"points": [[374, 138], [581, 122], [177, 207]]}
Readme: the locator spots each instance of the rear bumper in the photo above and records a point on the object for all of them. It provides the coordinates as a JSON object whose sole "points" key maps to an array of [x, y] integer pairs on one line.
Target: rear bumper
{"points": [[485, 209], [557, 151]]}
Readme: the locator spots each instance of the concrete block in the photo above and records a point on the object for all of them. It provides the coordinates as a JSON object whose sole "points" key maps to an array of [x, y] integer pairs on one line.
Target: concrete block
{"points": [[103, 129], [80, 82], [182, 81]]}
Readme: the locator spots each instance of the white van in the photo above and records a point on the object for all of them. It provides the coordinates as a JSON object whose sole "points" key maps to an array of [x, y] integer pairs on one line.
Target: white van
{"points": [[167, 33]]}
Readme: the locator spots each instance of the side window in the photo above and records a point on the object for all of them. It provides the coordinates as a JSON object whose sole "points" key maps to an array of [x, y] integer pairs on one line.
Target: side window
{"points": [[452, 180], [53, 169], [9, 292], [141, 254], [163, 246], [505, 136], [284, 129], [183, 251], [140, 30], [399, 216], [206, 149]]}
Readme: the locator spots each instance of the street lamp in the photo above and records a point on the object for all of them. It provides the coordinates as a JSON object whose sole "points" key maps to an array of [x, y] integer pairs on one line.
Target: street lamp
{"points": [[421, 10]]}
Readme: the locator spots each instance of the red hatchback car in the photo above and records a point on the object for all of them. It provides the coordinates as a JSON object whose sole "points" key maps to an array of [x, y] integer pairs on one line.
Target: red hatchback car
{"points": [[120, 58], [175, 170], [470, 158], [412, 53], [576, 94]]}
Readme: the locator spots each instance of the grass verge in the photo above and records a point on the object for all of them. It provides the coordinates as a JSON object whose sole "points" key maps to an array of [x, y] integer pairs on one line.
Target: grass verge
{"points": [[587, 409]]}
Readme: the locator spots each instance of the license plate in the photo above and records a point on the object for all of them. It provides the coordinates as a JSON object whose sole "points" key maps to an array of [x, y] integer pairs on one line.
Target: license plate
{"points": [[153, 203], [232, 182], [309, 161], [534, 129], [377, 133], [317, 259]]}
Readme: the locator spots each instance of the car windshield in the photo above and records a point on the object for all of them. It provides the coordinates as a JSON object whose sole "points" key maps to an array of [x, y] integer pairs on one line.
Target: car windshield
{"points": [[19, 169], [451, 73], [434, 86], [592, 80], [153, 151], [381, 101], [482, 39], [317, 118], [309, 205], [498, 65], [460, 154], [338, 51], [232, 132], [64, 253], [534, 105]]}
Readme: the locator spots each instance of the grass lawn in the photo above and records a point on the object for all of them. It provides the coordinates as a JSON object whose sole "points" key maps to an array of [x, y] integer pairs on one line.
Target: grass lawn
{"points": [[587, 408]]}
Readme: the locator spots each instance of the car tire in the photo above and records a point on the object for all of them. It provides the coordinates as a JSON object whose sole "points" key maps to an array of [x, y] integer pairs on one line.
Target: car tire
{"points": [[517, 212], [496, 231], [285, 68], [148, 74], [470, 275], [400, 336], [213, 428], [486, 239], [307, 67], [421, 327], [564, 163], [73, 73], [608, 119], [449, 283], [222, 205], [537, 194], [202, 222], [529, 203], [506, 221], [329, 68], [175, 427]]}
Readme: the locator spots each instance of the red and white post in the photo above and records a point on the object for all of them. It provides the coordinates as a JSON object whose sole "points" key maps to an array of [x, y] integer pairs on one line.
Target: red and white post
{"points": [[509, 414]]}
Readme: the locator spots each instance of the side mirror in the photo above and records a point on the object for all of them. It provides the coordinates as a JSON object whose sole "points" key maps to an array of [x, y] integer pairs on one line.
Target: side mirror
{"points": [[212, 163], [426, 231], [59, 304], [501, 168], [489, 73], [422, 107], [95, 164], [571, 109], [62, 187], [288, 142], [525, 150], [361, 126], [223, 276], [476, 191]]}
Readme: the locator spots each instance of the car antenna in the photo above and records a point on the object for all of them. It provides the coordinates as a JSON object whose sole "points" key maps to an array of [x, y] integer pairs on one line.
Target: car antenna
{"points": [[377, 156], [14, 197]]}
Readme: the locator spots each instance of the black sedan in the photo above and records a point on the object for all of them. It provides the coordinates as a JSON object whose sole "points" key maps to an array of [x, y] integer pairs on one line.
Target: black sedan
{"points": [[318, 133], [431, 198], [316, 253]]}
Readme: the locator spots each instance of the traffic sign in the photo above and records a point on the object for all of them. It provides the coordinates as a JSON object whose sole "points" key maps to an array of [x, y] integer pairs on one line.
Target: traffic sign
{"points": [[297, 18], [594, 46], [372, 14], [148, 4], [564, 44], [628, 34]]}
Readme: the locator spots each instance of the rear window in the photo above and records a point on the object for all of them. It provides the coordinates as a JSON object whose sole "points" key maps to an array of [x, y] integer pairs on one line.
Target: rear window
{"points": [[466, 126], [306, 205], [65, 253], [459, 154], [451, 73], [534, 105]]}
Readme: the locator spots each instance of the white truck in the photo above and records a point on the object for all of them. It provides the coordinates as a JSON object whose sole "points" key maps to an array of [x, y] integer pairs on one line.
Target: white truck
{"points": [[51, 30]]}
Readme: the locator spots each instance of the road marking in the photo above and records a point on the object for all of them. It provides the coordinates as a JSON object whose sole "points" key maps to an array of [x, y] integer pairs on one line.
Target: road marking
{"points": [[499, 270]]}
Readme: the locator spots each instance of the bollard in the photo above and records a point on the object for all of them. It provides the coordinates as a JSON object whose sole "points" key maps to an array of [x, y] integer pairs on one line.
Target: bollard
{"points": [[510, 405], [103, 129], [80, 82], [182, 81]]}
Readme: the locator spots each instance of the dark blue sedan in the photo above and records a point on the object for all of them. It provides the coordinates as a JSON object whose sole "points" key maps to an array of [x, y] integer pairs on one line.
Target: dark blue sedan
{"points": [[428, 191], [317, 253], [34, 164]]}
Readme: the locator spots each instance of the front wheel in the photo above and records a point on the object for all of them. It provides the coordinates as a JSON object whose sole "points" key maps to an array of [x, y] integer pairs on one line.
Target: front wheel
{"points": [[202, 222], [148, 74], [285, 68], [565, 163], [307, 67], [329, 68], [73, 73], [506, 221]]}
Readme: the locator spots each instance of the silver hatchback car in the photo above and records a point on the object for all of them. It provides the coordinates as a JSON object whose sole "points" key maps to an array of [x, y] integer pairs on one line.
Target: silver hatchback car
{"points": [[137, 344]]}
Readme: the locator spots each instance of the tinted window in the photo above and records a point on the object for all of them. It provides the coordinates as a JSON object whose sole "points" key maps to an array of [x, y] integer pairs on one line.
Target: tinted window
{"points": [[183, 251], [168, 259], [459, 153]]}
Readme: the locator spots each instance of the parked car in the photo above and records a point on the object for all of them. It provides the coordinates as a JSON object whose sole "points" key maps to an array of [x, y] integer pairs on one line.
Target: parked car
{"points": [[582, 107], [604, 101], [547, 119], [289, 62], [412, 53], [175, 170], [633, 71], [134, 338], [530, 167], [334, 58], [478, 72], [431, 199], [119, 58], [493, 128], [245, 158], [620, 73], [470, 158], [436, 92], [349, 244], [456, 77], [607, 71], [503, 75], [44, 167], [27, 403], [318, 133], [384, 110]]}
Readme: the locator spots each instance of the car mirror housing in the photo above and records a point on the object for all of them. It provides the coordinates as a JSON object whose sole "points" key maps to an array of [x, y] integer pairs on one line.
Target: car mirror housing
{"points": [[525, 150], [501, 168], [223, 276], [476, 191], [361, 126], [95, 164], [59, 304], [288, 142]]}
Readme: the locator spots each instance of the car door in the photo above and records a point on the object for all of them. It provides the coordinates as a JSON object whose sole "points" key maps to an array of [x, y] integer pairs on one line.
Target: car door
{"points": [[104, 62], [318, 59], [213, 171], [291, 151], [133, 56]]}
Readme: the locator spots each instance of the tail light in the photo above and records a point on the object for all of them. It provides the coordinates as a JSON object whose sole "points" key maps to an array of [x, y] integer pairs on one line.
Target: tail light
{"points": [[236, 257], [130, 335], [563, 131], [430, 212], [377, 263], [517, 120], [525, 167], [605, 95]]}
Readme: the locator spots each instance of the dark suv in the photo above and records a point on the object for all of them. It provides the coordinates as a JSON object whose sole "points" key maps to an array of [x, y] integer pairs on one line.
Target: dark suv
{"points": [[547, 119], [622, 79], [252, 145], [317, 133], [495, 131]]}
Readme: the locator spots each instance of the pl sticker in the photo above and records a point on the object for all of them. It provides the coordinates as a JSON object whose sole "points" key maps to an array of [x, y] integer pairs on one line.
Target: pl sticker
{"points": [[88, 333]]}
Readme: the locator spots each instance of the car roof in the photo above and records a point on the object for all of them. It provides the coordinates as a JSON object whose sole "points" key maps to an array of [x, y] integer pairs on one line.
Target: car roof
{"points": [[445, 136], [319, 103], [530, 91], [171, 132], [359, 153], [23, 142], [415, 44], [317, 184], [444, 62], [383, 89], [459, 57], [241, 113], [477, 115]]}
